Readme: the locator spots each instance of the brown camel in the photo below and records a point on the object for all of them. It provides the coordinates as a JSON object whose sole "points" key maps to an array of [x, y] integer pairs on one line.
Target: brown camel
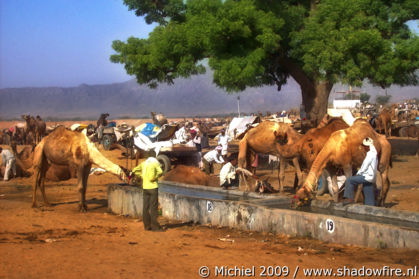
{"points": [[262, 139], [383, 122], [102, 120], [40, 130], [24, 163], [343, 149], [187, 175], [309, 145], [69, 148], [30, 126], [158, 119]]}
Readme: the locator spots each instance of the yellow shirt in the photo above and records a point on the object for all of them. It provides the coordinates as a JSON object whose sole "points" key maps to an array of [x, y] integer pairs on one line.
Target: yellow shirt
{"points": [[149, 171]]}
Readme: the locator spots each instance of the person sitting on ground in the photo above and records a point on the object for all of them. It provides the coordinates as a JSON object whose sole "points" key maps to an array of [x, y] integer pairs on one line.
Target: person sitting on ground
{"points": [[9, 161], [365, 176], [150, 171], [228, 174], [210, 158]]}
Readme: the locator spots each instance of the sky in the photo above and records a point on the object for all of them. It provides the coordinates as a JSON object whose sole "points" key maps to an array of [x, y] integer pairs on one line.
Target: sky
{"points": [[66, 42]]}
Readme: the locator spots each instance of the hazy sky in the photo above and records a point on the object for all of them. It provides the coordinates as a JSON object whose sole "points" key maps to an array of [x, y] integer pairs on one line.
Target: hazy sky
{"points": [[64, 42]]}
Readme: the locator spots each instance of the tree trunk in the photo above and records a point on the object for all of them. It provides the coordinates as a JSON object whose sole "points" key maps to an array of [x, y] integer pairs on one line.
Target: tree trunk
{"points": [[315, 96], [315, 93]]}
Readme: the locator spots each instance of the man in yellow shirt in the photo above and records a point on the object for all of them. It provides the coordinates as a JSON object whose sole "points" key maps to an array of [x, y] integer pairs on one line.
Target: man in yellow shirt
{"points": [[150, 171]]}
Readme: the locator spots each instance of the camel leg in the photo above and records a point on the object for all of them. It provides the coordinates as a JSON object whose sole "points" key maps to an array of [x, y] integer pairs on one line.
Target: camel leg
{"points": [[37, 176], [44, 170], [80, 186], [298, 169], [85, 177], [335, 188], [358, 193], [242, 158], [281, 173], [384, 188]]}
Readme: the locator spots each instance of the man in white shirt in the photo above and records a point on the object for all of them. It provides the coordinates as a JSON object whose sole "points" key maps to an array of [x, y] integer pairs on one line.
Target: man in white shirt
{"points": [[210, 158], [8, 160], [365, 175], [228, 174], [223, 140]]}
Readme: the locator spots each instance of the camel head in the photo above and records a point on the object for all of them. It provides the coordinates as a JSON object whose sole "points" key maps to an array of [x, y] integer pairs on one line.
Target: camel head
{"points": [[124, 175], [25, 116], [281, 138], [303, 196]]}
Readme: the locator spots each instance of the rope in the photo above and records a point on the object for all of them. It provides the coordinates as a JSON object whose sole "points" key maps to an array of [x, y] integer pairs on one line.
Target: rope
{"points": [[245, 171], [311, 186]]}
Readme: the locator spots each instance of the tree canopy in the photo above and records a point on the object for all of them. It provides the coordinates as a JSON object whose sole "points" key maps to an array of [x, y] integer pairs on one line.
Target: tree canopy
{"points": [[252, 43]]}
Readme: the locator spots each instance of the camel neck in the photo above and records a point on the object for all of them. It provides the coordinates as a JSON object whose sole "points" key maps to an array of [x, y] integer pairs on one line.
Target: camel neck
{"points": [[98, 159]]}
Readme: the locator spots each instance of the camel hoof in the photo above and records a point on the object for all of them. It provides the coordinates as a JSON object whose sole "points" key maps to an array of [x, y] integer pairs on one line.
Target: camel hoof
{"points": [[83, 208], [34, 205]]}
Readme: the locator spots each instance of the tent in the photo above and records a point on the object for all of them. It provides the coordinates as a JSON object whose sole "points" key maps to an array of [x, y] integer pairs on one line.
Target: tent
{"points": [[240, 125]]}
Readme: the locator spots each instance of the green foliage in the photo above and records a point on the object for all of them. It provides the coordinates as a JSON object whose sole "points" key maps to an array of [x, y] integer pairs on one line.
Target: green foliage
{"points": [[382, 99], [364, 97], [255, 43]]}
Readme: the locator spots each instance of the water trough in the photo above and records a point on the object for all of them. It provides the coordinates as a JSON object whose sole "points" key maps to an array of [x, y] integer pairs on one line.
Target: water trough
{"points": [[353, 224]]}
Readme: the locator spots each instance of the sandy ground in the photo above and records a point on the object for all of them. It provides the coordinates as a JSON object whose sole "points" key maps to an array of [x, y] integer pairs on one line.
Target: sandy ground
{"points": [[60, 242]]}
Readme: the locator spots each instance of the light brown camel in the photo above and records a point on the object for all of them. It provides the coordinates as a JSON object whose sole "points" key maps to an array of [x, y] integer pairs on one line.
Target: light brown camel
{"points": [[69, 148], [187, 175], [383, 122], [41, 129], [158, 119], [262, 139], [343, 149]]}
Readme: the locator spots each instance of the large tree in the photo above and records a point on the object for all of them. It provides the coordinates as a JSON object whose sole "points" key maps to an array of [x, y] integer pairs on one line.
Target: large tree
{"points": [[253, 43]]}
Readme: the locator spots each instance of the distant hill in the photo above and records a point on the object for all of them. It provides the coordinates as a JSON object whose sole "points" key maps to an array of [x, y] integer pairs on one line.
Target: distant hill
{"points": [[196, 96]]}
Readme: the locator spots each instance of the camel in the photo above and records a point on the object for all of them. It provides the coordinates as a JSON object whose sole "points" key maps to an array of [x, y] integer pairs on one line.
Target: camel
{"points": [[309, 145], [69, 148], [40, 129], [102, 120], [383, 122], [343, 149], [262, 139], [187, 175], [24, 163], [30, 126], [158, 119]]}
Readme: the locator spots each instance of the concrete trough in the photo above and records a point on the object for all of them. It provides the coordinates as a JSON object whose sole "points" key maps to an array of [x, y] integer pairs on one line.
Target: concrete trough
{"points": [[271, 213]]}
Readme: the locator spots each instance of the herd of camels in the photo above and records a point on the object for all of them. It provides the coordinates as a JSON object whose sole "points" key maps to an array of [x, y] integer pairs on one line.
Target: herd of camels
{"points": [[330, 146]]}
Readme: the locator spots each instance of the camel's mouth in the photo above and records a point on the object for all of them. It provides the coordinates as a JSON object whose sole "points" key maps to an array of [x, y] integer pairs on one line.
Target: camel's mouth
{"points": [[303, 197]]}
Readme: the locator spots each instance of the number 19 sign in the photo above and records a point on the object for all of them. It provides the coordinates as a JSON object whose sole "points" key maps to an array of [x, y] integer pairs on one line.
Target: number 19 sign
{"points": [[330, 225]]}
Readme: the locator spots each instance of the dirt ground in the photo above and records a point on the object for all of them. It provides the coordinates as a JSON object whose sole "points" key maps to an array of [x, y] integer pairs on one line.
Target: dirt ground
{"points": [[60, 242]]}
